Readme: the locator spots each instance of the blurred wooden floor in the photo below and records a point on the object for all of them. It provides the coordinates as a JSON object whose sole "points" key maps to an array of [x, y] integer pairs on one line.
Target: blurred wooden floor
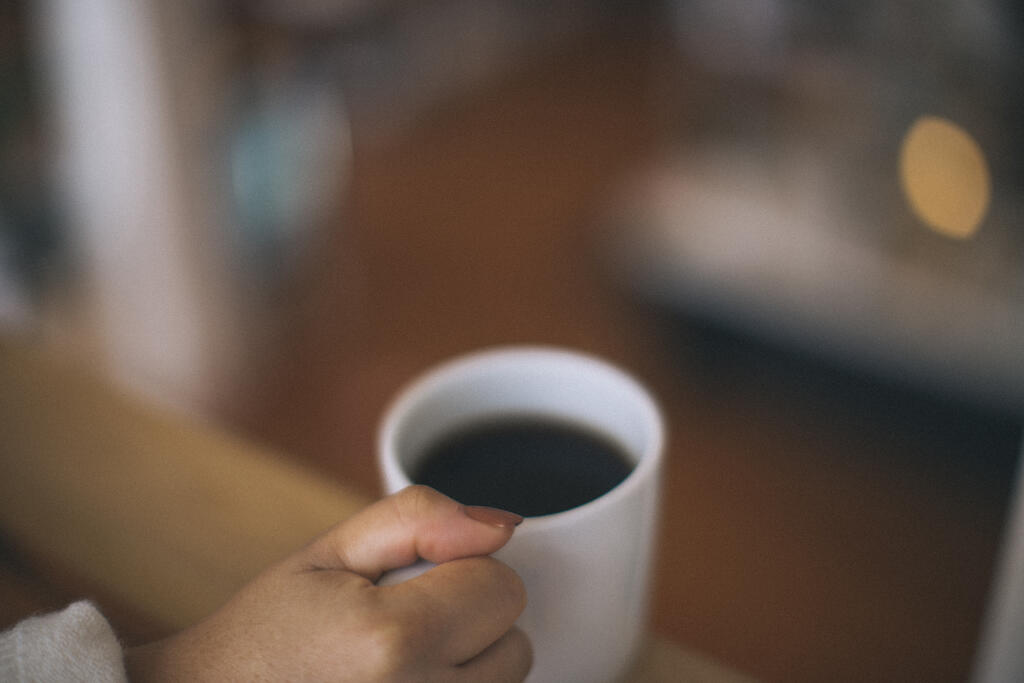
{"points": [[816, 528]]}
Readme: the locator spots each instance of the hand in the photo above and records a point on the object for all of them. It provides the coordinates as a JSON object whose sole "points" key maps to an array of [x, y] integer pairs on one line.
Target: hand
{"points": [[318, 615]]}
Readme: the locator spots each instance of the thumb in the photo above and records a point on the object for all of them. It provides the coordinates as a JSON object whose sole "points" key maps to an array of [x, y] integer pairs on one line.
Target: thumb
{"points": [[415, 523]]}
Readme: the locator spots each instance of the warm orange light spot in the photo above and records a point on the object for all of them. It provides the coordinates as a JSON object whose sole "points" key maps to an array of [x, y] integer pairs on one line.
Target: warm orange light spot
{"points": [[945, 177]]}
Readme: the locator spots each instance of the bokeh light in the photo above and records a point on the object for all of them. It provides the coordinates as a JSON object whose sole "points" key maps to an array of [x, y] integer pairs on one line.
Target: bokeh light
{"points": [[945, 177]]}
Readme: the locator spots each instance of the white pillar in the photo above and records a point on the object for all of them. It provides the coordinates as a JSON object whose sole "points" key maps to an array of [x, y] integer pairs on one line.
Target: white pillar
{"points": [[157, 302]]}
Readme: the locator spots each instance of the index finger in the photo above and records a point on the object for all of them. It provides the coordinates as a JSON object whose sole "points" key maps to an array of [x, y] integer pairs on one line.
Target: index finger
{"points": [[472, 603]]}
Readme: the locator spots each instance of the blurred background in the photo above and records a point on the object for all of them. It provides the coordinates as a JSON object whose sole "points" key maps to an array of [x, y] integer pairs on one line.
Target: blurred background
{"points": [[799, 222]]}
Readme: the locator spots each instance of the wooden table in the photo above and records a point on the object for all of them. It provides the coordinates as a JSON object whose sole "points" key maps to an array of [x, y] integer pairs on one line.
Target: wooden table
{"points": [[163, 515]]}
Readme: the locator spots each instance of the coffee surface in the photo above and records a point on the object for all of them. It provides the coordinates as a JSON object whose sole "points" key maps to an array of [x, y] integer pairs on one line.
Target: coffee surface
{"points": [[531, 466]]}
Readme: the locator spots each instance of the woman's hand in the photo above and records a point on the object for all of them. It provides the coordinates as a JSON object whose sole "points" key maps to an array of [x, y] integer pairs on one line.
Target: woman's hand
{"points": [[319, 616]]}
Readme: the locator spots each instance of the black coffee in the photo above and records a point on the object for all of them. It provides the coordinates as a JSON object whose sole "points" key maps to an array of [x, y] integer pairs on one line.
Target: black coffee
{"points": [[531, 466]]}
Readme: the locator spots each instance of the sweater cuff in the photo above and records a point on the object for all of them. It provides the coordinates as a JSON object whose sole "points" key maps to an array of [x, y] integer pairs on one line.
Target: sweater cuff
{"points": [[75, 644]]}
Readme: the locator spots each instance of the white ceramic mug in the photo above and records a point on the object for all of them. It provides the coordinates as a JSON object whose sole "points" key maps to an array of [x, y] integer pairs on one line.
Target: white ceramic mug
{"points": [[586, 569]]}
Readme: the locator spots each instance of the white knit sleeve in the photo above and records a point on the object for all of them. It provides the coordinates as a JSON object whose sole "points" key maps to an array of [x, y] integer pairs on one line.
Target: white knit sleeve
{"points": [[74, 645]]}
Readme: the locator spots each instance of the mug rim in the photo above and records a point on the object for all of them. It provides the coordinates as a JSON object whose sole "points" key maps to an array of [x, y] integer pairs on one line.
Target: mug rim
{"points": [[423, 385]]}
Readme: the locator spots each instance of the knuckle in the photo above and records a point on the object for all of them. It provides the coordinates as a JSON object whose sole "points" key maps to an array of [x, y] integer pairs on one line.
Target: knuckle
{"points": [[416, 500], [524, 648], [392, 645], [502, 584], [513, 590], [519, 656]]}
